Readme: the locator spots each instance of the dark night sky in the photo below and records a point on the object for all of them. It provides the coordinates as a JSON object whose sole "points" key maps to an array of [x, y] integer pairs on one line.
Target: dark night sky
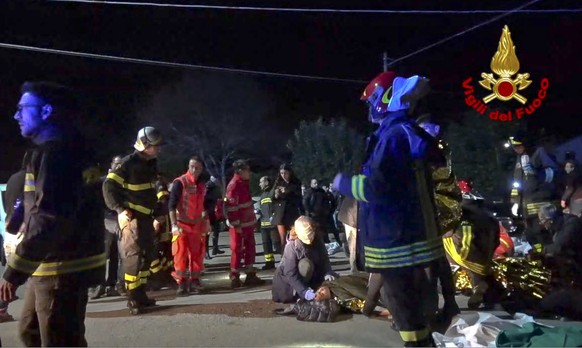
{"points": [[333, 45]]}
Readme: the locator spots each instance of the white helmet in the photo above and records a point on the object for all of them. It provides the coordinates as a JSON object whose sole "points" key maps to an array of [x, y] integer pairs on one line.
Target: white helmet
{"points": [[148, 136]]}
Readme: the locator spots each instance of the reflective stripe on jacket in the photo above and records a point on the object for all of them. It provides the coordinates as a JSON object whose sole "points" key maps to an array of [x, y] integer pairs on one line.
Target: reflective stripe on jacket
{"points": [[396, 212], [239, 203], [131, 186], [190, 209]]}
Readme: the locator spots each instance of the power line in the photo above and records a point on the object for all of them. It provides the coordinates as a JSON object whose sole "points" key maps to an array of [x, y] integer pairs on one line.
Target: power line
{"points": [[462, 32], [317, 10], [172, 64]]}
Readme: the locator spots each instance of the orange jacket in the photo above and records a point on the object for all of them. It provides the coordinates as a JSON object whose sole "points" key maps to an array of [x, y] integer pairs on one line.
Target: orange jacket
{"points": [[239, 203], [190, 207]]}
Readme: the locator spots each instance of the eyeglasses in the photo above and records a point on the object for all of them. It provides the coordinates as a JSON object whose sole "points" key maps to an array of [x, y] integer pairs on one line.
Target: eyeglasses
{"points": [[19, 107]]}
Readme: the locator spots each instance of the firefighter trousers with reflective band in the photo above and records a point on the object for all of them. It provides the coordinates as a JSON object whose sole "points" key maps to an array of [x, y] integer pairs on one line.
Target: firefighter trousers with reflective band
{"points": [[53, 313], [407, 291], [242, 246], [137, 251], [188, 249], [271, 242]]}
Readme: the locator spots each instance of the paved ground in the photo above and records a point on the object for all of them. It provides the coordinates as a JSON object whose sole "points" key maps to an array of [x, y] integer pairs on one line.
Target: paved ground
{"points": [[221, 318]]}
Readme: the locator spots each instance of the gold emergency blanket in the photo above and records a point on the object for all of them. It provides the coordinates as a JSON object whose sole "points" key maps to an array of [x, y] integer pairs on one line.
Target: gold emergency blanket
{"points": [[349, 291], [529, 277], [447, 196]]}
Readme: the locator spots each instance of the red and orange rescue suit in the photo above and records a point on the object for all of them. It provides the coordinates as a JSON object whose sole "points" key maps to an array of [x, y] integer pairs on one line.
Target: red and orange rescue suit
{"points": [[188, 248], [240, 214]]}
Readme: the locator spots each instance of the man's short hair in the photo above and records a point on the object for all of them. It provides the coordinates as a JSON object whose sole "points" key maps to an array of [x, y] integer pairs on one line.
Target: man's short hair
{"points": [[240, 164], [266, 178], [547, 212], [58, 96], [197, 159]]}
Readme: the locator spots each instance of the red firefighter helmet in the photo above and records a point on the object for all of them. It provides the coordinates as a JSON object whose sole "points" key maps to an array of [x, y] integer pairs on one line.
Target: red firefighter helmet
{"points": [[379, 91], [465, 186]]}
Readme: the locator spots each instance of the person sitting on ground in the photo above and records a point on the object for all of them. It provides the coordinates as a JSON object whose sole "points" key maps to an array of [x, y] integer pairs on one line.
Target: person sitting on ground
{"points": [[304, 266]]}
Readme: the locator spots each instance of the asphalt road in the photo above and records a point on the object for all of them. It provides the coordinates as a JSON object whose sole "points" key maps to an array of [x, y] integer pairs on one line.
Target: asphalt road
{"points": [[221, 318]]}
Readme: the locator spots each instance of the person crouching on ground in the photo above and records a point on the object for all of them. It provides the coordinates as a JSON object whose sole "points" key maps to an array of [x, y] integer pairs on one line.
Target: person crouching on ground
{"points": [[304, 266]]}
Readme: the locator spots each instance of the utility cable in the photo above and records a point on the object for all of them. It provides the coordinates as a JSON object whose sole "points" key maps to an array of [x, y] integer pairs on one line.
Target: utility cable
{"points": [[496, 18], [317, 10], [172, 64]]}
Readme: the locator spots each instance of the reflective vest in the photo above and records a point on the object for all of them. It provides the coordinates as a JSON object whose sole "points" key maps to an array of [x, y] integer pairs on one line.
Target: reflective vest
{"points": [[190, 210], [239, 203]]}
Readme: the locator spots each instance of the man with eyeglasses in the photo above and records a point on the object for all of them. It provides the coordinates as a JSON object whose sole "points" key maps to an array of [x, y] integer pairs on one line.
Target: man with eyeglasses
{"points": [[62, 250], [130, 191]]}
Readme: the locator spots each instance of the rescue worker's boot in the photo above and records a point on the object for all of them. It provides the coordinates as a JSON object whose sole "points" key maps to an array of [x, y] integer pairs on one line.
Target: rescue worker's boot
{"points": [[134, 306], [268, 266], [120, 287], [195, 286], [253, 280], [142, 298], [235, 281], [425, 342], [97, 292], [182, 290]]}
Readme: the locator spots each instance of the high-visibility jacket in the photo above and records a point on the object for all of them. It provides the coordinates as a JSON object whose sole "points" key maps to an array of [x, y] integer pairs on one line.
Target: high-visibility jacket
{"points": [[239, 203], [266, 213], [131, 186], [475, 240], [396, 211], [63, 218], [534, 181], [190, 205]]}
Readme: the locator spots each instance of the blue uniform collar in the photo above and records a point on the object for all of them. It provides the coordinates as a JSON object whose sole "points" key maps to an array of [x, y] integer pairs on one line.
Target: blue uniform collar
{"points": [[391, 119]]}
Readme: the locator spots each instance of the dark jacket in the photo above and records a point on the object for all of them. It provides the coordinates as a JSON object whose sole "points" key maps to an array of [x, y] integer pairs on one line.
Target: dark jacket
{"points": [[475, 240], [266, 210], [397, 224], [288, 206], [573, 190], [567, 240], [212, 196], [536, 184], [287, 278], [316, 203], [63, 217], [132, 186]]}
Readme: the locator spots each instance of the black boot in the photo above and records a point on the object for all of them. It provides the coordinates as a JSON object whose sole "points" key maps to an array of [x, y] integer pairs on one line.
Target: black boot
{"points": [[268, 265], [216, 251], [208, 256], [235, 281], [142, 298], [182, 291], [98, 292], [252, 279]]}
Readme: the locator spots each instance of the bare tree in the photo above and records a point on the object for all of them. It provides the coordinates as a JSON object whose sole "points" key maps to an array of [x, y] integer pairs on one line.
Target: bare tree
{"points": [[218, 118]]}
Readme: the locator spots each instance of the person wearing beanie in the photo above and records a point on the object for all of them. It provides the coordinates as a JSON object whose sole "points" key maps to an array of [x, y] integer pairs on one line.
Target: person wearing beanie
{"points": [[304, 266]]}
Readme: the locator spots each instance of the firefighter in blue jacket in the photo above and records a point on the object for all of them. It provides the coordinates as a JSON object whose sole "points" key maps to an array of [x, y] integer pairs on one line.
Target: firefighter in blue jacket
{"points": [[397, 227]]}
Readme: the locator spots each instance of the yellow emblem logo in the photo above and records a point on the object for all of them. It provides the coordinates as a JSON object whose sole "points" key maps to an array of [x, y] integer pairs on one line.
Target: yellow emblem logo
{"points": [[505, 64]]}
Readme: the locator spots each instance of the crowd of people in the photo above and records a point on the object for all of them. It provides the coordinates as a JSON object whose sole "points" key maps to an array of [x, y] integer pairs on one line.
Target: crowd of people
{"points": [[404, 216]]}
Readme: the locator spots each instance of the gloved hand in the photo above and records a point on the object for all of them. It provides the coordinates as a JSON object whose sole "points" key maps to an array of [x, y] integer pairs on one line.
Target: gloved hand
{"points": [[528, 169], [176, 230], [309, 294], [123, 218], [329, 277], [514, 209], [336, 181]]}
